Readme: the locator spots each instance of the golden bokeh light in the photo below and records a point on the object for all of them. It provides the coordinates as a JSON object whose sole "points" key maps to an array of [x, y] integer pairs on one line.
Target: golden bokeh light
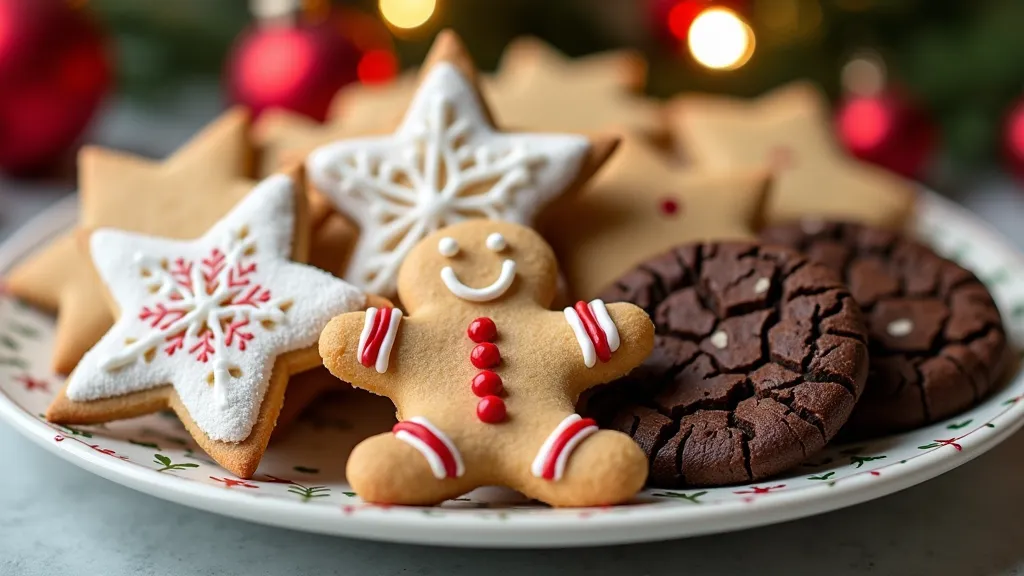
{"points": [[407, 14], [720, 39]]}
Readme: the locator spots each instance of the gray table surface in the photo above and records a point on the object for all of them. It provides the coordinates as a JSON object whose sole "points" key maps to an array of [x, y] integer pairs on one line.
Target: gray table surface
{"points": [[56, 519]]}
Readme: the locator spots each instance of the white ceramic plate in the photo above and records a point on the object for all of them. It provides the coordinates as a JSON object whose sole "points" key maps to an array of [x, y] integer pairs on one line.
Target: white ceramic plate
{"points": [[300, 483]]}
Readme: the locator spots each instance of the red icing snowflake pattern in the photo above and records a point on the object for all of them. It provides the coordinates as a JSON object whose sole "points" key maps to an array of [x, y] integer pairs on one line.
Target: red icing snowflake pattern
{"points": [[203, 308]]}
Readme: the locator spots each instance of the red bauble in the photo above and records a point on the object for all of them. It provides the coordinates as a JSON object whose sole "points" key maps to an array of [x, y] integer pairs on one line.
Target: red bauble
{"points": [[886, 129], [54, 72], [1013, 140], [491, 410], [300, 66]]}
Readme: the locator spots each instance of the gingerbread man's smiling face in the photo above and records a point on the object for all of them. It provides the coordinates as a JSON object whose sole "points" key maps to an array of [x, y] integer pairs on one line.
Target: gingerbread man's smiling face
{"points": [[478, 262]]}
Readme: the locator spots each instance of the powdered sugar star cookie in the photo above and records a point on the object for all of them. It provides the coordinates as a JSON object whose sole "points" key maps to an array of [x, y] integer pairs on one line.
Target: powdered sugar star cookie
{"points": [[445, 163], [485, 376], [210, 317]]}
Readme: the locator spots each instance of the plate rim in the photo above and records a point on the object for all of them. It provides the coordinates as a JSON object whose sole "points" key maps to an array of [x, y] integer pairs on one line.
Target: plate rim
{"points": [[563, 529]]}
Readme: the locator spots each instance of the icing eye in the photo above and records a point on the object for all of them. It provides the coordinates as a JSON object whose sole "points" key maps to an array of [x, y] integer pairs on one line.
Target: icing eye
{"points": [[496, 242], [448, 247]]}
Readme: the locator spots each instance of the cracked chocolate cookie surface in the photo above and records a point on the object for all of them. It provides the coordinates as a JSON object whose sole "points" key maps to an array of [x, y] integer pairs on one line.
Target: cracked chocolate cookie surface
{"points": [[759, 358], [936, 338]]}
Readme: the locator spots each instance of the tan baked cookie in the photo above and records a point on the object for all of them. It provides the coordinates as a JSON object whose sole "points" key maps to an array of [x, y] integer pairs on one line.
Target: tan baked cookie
{"points": [[788, 131], [640, 205], [177, 198], [485, 376], [445, 163], [538, 88], [212, 328]]}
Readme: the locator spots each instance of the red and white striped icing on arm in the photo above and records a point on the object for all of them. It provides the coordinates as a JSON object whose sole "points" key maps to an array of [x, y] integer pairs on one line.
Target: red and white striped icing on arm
{"points": [[555, 452], [594, 330], [443, 457], [378, 336]]}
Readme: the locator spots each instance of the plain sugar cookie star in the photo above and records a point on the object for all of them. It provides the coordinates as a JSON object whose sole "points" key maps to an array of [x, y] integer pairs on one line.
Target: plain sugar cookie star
{"points": [[789, 132], [213, 327], [538, 88], [177, 198], [640, 205], [445, 163]]}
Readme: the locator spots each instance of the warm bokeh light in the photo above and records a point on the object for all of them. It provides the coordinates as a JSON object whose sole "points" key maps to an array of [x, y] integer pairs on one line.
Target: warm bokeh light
{"points": [[720, 39], [407, 13], [864, 75]]}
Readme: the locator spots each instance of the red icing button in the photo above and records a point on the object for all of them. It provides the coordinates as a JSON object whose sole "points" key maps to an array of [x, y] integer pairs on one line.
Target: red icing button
{"points": [[490, 410], [485, 355], [487, 383], [669, 207], [482, 330]]}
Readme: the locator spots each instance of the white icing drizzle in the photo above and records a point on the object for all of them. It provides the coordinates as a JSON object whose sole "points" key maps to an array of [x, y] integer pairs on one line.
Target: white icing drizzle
{"points": [[371, 316], [540, 461], [604, 320], [586, 345], [485, 294], [496, 242], [384, 354], [434, 459]]}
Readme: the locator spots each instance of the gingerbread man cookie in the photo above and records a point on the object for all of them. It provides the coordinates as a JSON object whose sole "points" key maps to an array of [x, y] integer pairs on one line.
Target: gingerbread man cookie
{"points": [[486, 377]]}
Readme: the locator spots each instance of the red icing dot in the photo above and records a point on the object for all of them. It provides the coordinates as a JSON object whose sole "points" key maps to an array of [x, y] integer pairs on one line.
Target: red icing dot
{"points": [[482, 330], [485, 355], [490, 410], [669, 207], [487, 383]]}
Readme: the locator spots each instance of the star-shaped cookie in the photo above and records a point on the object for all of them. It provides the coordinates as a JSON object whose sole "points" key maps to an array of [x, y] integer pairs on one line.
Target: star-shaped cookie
{"points": [[211, 327], [446, 162], [178, 198], [538, 88], [788, 131], [640, 205]]}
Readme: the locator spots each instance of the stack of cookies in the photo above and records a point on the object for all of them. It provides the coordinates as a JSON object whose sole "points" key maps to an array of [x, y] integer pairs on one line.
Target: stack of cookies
{"points": [[732, 291]]}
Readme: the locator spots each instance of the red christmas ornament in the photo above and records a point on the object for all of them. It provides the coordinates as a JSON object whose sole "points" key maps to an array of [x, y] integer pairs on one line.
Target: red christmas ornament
{"points": [[1013, 140], [487, 383], [482, 330], [296, 63], [485, 356], [886, 129], [491, 410], [54, 72]]}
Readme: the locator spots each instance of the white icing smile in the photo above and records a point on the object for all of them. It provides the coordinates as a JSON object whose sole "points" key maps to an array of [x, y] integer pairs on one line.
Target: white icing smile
{"points": [[485, 294]]}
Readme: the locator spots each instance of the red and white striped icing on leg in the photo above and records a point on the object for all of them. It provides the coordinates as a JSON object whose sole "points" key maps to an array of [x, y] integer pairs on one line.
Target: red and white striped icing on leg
{"points": [[595, 331], [555, 452], [443, 457], [378, 336]]}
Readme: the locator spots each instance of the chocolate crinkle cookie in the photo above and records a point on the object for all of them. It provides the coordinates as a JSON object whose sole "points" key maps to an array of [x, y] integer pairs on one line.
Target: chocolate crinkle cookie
{"points": [[760, 356], [936, 339]]}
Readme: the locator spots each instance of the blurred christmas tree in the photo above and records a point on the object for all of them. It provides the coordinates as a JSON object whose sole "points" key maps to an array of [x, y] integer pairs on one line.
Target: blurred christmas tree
{"points": [[962, 62]]}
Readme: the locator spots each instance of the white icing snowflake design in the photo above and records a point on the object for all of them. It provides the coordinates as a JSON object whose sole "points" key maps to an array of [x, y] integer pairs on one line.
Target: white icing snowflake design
{"points": [[444, 164], [210, 316]]}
